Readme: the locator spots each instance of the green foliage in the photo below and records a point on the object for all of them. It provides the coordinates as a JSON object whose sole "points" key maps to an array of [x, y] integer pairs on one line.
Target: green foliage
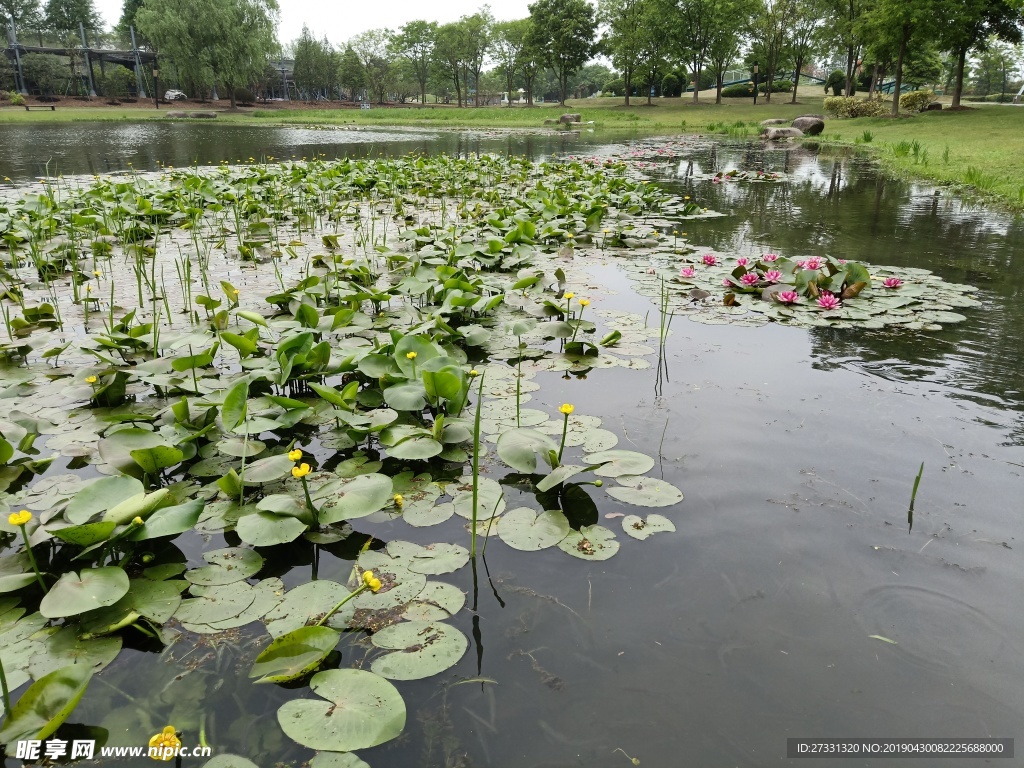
{"points": [[671, 85], [851, 106], [118, 82], [835, 82], [351, 75], [616, 87], [778, 86], [916, 101], [563, 31], [66, 15], [739, 90], [17, 100], [6, 74], [316, 64], [44, 72]]}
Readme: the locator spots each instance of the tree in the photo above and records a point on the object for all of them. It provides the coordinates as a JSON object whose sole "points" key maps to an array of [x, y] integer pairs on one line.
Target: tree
{"points": [[124, 25], [694, 33], [226, 41], [509, 46], [805, 34], [24, 13], [563, 31], [351, 74], [657, 43], [769, 34], [44, 71], [415, 43], [66, 15], [316, 67], [969, 24], [478, 41], [373, 49], [451, 54], [729, 19], [6, 74], [896, 22], [624, 41]]}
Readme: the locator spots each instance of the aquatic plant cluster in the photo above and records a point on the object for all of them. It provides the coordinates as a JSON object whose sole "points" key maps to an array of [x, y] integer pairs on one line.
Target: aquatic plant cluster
{"points": [[338, 344]]}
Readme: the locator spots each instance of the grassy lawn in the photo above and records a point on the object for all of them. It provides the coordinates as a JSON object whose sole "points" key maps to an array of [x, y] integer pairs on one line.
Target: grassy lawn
{"points": [[981, 148]]}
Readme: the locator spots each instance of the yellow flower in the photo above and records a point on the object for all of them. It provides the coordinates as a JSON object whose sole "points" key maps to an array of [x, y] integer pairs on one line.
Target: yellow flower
{"points": [[294, 455], [137, 521], [398, 499], [410, 355], [374, 585], [19, 518], [567, 408], [474, 372], [371, 581], [686, 197], [88, 289], [569, 295], [97, 273], [163, 745], [584, 302], [234, 291], [300, 471], [90, 379]]}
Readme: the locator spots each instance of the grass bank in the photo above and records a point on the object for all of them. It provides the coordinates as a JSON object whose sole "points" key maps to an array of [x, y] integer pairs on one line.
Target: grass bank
{"points": [[979, 149]]}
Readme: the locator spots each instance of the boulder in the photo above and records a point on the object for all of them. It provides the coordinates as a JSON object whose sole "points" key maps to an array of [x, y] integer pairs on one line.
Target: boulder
{"points": [[816, 117], [570, 118], [174, 114], [775, 121], [202, 115], [811, 126], [774, 134]]}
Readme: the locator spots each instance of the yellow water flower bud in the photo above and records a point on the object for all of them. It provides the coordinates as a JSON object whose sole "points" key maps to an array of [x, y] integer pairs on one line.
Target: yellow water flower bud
{"points": [[374, 585], [97, 273], [567, 408], [410, 355], [474, 372], [300, 471], [90, 379], [569, 295], [137, 521], [19, 518], [164, 744], [584, 302], [294, 455], [398, 499]]}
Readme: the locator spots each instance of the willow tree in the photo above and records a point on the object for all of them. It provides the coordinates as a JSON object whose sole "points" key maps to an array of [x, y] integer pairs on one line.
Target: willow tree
{"points": [[213, 41]]}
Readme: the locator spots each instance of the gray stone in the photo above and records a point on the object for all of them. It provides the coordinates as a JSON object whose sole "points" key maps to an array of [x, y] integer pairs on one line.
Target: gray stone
{"points": [[551, 121], [774, 121], [176, 115], [816, 117], [811, 126], [202, 115], [774, 134], [570, 118]]}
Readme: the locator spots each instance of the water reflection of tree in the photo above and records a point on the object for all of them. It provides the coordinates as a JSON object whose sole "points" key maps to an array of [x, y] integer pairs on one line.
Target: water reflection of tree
{"points": [[843, 206]]}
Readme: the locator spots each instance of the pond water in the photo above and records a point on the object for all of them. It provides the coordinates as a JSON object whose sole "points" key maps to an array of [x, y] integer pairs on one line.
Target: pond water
{"points": [[794, 600]]}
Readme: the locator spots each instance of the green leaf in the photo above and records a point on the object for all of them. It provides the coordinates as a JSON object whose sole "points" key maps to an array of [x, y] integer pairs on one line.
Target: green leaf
{"points": [[142, 506], [265, 529], [524, 529], [591, 542], [156, 600], [357, 710], [406, 397], [86, 535], [233, 411], [226, 566], [422, 649], [645, 492], [269, 469], [431, 560], [169, 521], [559, 475], [351, 498], [519, 448], [244, 345], [639, 528], [294, 654], [47, 703], [77, 593], [490, 499], [618, 462], [156, 459], [307, 603]]}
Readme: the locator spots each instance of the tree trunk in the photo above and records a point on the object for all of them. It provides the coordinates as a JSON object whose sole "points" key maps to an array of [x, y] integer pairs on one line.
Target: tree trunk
{"points": [[529, 91], [650, 87], [848, 91], [874, 82], [796, 78], [628, 79], [959, 87], [719, 78], [696, 83], [899, 75]]}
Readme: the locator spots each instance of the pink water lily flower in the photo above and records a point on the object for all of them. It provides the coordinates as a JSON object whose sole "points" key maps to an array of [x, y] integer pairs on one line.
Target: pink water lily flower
{"points": [[686, 272], [652, 271], [709, 259], [787, 297], [749, 279], [770, 257], [772, 275], [892, 282], [828, 301], [742, 261], [726, 282], [815, 262]]}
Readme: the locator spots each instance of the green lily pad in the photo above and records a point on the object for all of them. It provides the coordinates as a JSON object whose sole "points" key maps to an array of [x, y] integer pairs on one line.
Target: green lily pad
{"points": [[337, 760], [618, 462], [645, 492], [204, 613], [422, 649], [351, 498], [356, 710], [519, 448], [524, 529], [47, 703], [169, 521], [64, 647], [639, 528], [490, 499], [422, 515], [101, 495], [437, 601], [229, 761], [591, 542], [226, 566], [431, 560], [265, 529], [76, 593], [156, 600], [307, 603]]}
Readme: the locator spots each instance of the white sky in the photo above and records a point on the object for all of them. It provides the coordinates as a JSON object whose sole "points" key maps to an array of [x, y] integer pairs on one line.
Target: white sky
{"points": [[341, 20]]}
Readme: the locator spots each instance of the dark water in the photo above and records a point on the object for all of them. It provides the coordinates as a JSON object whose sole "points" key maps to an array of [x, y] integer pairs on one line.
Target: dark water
{"points": [[797, 451]]}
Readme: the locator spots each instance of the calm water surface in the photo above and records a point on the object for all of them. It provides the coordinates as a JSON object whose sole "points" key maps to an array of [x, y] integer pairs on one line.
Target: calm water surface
{"points": [[796, 450]]}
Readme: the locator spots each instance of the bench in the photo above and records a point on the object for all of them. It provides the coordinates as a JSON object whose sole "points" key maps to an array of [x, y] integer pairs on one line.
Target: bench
{"points": [[30, 107]]}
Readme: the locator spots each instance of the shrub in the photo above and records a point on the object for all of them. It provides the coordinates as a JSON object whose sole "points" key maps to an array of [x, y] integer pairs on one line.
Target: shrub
{"points": [[616, 87], [916, 101], [851, 106], [118, 82], [738, 91], [778, 86], [244, 96], [671, 85], [45, 71], [17, 100]]}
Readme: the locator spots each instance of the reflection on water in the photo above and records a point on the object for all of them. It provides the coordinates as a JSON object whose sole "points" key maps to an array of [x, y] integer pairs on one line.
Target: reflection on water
{"points": [[796, 450]]}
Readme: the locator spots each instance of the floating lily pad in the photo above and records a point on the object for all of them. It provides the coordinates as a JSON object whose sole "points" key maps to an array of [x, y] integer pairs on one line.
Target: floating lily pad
{"points": [[618, 462], [337, 760], [591, 542], [530, 531], [645, 492], [294, 654], [229, 761], [76, 593], [490, 499], [352, 498], [422, 649], [431, 560], [357, 710], [639, 528], [437, 601], [226, 566], [306, 604], [422, 515]]}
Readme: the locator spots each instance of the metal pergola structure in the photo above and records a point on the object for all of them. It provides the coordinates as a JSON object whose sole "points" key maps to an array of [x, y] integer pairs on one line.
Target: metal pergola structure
{"points": [[133, 59]]}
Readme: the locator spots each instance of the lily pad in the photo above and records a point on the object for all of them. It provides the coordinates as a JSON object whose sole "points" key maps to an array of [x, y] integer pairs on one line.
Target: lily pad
{"points": [[431, 560], [226, 566], [591, 542], [618, 462], [76, 593], [294, 654], [306, 603], [47, 703], [530, 531], [351, 498], [645, 492], [356, 710], [422, 649], [639, 528]]}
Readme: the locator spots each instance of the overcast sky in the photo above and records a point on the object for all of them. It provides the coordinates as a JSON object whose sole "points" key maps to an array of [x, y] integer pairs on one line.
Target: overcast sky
{"points": [[341, 20]]}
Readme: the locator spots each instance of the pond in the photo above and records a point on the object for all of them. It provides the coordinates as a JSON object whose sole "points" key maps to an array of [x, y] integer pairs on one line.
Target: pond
{"points": [[796, 597]]}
